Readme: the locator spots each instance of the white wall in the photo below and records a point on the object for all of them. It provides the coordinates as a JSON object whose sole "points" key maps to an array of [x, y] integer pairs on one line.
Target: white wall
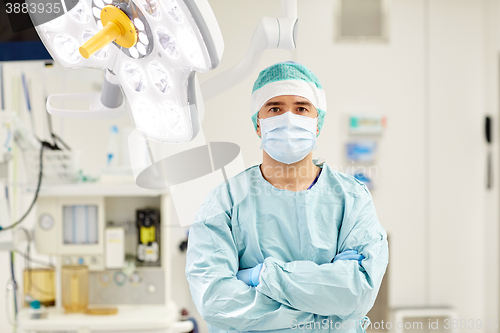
{"points": [[491, 203], [456, 156]]}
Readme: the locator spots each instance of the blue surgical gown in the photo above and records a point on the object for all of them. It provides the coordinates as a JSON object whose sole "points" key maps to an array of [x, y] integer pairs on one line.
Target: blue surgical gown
{"points": [[246, 221]]}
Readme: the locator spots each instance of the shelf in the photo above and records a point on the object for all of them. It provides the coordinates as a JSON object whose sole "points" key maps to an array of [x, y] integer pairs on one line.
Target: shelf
{"points": [[139, 318], [96, 189]]}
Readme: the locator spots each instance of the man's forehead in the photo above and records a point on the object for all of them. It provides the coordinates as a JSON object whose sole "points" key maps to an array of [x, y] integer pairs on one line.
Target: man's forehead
{"points": [[278, 100]]}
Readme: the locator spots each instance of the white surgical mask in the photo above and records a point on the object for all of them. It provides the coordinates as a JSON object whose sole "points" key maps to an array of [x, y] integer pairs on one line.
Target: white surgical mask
{"points": [[288, 138]]}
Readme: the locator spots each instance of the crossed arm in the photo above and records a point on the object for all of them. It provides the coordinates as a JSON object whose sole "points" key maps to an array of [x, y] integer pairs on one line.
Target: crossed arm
{"points": [[288, 291]]}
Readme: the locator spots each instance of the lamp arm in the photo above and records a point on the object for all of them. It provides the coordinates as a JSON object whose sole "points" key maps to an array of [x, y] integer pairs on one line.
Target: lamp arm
{"points": [[289, 8], [271, 33]]}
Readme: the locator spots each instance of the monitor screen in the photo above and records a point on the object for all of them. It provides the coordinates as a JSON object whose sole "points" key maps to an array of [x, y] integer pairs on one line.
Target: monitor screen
{"points": [[18, 38], [80, 225]]}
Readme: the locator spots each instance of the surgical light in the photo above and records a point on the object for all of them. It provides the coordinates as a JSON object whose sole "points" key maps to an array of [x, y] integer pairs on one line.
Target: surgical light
{"points": [[150, 51], [133, 52], [138, 24], [80, 12], [152, 8], [134, 76], [99, 3], [55, 24], [96, 12], [143, 38], [173, 116], [160, 77], [146, 117], [168, 43], [174, 11], [67, 48]]}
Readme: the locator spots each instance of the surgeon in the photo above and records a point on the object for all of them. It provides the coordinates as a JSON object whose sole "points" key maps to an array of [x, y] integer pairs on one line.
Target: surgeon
{"points": [[289, 245]]}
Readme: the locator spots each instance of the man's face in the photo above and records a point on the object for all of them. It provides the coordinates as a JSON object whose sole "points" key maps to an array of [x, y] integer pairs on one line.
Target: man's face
{"points": [[281, 104]]}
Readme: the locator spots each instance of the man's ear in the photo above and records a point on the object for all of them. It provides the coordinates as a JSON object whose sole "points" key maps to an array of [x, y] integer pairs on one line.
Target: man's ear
{"points": [[258, 128]]}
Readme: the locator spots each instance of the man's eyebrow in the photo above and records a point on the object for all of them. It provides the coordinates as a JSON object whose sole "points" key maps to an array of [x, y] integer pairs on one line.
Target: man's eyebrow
{"points": [[277, 103], [274, 103], [302, 103]]}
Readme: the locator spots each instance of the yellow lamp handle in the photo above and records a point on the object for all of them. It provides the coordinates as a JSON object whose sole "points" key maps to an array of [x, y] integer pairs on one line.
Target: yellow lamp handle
{"points": [[117, 26], [104, 37]]}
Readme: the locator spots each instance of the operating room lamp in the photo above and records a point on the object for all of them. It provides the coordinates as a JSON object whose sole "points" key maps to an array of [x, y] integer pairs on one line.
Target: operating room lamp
{"points": [[149, 49]]}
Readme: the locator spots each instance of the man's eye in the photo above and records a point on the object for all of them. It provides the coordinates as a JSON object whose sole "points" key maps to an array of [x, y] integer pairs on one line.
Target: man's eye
{"points": [[274, 109], [301, 109]]}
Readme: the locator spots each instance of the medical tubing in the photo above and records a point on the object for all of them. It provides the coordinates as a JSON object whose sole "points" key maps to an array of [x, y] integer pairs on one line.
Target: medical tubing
{"points": [[58, 138], [26, 93], [28, 101], [38, 262], [14, 283], [34, 198], [27, 261], [55, 138]]}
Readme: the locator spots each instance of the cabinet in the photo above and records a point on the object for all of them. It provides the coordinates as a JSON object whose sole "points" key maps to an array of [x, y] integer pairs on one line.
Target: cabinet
{"points": [[138, 294]]}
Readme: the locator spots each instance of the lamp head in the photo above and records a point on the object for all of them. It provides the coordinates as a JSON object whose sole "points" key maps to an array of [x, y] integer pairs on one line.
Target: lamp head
{"points": [[154, 47]]}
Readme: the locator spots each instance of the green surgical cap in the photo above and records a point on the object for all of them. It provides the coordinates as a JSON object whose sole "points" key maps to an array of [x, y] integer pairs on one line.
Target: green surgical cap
{"points": [[288, 78]]}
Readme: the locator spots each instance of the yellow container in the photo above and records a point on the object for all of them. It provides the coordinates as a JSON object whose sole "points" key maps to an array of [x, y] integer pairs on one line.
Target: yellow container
{"points": [[75, 288], [39, 283]]}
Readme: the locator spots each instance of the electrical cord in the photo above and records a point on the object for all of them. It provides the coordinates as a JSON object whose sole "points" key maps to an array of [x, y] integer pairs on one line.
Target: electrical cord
{"points": [[58, 138], [12, 226], [27, 263], [54, 136]]}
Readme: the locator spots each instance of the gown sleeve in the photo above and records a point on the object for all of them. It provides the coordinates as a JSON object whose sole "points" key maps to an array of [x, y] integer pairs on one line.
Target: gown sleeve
{"points": [[344, 288], [211, 267]]}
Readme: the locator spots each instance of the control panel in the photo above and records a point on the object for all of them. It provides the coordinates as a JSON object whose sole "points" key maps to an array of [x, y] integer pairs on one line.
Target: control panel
{"points": [[93, 262], [145, 286]]}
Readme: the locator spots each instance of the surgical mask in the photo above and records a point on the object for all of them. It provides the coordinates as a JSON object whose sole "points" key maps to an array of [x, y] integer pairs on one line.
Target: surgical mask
{"points": [[288, 138]]}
